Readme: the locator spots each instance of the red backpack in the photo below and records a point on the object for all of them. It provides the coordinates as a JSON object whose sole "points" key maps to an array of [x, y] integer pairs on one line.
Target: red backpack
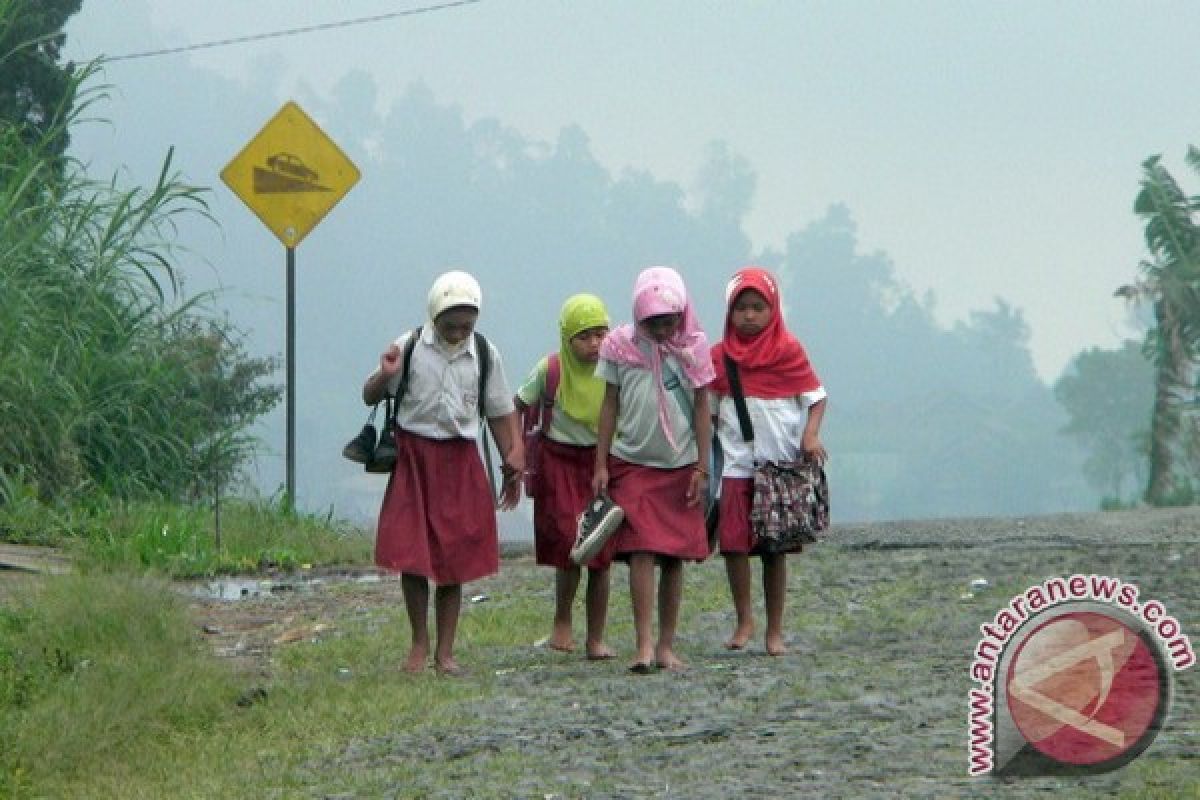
{"points": [[535, 421]]}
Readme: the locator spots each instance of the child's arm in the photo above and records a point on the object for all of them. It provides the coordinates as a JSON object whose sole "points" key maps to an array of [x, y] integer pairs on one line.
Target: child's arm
{"points": [[702, 420], [810, 443], [506, 432], [376, 386], [605, 428]]}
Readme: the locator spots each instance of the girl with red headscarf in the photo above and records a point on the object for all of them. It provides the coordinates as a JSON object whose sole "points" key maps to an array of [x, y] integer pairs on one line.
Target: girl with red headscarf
{"points": [[786, 403]]}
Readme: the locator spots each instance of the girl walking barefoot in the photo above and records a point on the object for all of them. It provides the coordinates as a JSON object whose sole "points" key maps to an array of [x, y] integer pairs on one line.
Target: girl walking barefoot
{"points": [[786, 403], [654, 469], [438, 520], [567, 452]]}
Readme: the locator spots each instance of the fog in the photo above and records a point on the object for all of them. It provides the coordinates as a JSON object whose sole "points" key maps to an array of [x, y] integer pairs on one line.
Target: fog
{"points": [[943, 253]]}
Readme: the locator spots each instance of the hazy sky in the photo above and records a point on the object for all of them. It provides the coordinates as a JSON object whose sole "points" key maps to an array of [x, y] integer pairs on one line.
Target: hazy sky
{"points": [[991, 149]]}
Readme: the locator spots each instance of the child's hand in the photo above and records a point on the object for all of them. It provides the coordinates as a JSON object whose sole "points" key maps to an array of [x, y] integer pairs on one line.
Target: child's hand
{"points": [[697, 487], [600, 481], [510, 492], [389, 362], [813, 449]]}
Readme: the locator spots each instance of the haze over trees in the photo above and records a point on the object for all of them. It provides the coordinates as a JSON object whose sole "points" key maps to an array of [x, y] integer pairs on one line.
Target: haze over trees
{"points": [[925, 419]]}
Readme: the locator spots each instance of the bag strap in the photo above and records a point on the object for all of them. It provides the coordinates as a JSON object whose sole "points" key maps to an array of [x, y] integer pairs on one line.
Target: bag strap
{"points": [[409, 346], [553, 375], [392, 401], [549, 391], [739, 399], [483, 352]]}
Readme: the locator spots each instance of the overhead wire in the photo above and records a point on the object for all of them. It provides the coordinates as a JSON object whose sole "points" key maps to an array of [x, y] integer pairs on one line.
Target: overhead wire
{"points": [[293, 31]]}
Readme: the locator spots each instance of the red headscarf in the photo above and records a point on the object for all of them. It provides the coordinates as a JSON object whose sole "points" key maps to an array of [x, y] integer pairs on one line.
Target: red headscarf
{"points": [[772, 363]]}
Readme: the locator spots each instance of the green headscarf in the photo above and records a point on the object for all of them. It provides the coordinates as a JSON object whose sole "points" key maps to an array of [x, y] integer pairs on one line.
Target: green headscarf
{"points": [[580, 392]]}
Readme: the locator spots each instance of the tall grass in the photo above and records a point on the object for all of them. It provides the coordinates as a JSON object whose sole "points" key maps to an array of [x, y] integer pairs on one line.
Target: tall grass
{"points": [[111, 382]]}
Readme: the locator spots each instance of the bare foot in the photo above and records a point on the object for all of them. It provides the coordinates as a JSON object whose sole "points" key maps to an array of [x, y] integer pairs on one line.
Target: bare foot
{"points": [[775, 645], [599, 652], [643, 663], [666, 659], [741, 635], [416, 661], [450, 668], [561, 640]]}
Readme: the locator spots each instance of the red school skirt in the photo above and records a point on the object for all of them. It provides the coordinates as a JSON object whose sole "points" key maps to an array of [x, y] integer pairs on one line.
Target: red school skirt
{"points": [[733, 524], [438, 519], [562, 492], [657, 517]]}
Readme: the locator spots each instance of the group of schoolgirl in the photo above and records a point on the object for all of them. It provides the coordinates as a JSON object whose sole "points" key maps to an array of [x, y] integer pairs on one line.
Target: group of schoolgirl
{"points": [[629, 418]]}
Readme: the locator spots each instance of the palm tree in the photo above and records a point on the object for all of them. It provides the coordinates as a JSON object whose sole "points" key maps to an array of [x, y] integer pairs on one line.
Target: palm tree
{"points": [[1170, 280]]}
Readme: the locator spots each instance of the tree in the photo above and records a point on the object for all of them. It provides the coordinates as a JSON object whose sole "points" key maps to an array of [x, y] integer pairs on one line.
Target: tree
{"points": [[34, 88], [1170, 281], [1108, 395]]}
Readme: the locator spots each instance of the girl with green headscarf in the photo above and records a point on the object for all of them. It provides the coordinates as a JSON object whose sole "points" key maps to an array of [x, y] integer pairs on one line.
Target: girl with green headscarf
{"points": [[564, 388]]}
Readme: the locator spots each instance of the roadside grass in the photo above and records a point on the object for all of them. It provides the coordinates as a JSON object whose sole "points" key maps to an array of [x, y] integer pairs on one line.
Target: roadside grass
{"points": [[106, 691], [97, 673], [179, 541]]}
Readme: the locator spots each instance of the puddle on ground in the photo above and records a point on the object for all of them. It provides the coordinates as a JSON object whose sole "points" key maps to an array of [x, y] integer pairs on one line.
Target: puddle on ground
{"points": [[244, 588]]}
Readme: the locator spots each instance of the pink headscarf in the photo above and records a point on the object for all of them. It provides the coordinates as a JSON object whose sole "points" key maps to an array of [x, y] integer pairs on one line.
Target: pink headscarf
{"points": [[660, 290]]}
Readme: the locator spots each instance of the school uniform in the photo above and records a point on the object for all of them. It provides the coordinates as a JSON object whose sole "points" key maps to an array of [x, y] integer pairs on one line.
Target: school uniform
{"points": [[563, 487], [648, 476], [438, 516], [778, 429], [779, 386]]}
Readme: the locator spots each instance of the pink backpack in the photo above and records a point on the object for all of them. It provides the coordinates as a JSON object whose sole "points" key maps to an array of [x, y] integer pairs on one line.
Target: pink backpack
{"points": [[535, 421]]}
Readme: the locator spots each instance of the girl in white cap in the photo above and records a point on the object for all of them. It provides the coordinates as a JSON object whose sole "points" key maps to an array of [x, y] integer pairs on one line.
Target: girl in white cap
{"points": [[438, 520]]}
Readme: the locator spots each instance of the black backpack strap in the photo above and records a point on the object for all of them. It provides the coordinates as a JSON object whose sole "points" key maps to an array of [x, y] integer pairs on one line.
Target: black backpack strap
{"points": [[739, 399], [409, 346], [393, 401], [484, 351]]}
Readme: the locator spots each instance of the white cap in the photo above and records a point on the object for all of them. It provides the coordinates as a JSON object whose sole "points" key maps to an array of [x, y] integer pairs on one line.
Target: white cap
{"points": [[453, 289]]}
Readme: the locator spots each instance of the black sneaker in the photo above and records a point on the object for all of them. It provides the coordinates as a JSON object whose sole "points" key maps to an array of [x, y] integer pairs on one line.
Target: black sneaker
{"points": [[597, 524], [361, 447], [384, 457]]}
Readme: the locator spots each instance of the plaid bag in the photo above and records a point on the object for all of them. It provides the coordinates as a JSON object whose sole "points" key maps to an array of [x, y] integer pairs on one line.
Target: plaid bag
{"points": [[790, 506]]}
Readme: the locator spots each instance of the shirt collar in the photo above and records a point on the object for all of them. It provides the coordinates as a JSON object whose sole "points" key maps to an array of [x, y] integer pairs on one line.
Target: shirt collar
{"points": [[429, 337]]}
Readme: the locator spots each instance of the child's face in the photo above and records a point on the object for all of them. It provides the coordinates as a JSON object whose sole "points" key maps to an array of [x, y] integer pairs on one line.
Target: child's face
{"points": [[661, 327], [751, 313], [454, 325], [585, 345]]}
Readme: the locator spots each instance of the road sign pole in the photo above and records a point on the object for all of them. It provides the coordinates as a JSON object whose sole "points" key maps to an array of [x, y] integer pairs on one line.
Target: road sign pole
{"points": [[291, 379], [290, 174]]}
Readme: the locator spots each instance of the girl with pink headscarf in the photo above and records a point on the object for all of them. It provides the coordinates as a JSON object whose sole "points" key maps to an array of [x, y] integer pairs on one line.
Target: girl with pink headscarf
{"points": [[652, 452]]}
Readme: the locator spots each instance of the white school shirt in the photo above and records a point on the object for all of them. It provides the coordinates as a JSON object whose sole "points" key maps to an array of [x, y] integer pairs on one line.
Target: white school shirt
{"points": [[778, 430], [441, 401], [639, 437], [563, 428]]}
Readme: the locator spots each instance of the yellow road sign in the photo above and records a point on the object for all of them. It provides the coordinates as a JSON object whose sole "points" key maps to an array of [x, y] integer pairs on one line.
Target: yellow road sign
{"points": [[290, 174]]}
